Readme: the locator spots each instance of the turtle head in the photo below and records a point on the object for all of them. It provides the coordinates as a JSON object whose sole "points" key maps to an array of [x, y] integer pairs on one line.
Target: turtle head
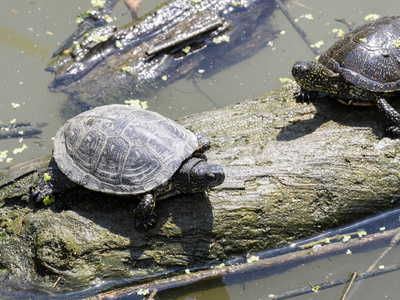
{"points": [[315, 77], [197, 175]]}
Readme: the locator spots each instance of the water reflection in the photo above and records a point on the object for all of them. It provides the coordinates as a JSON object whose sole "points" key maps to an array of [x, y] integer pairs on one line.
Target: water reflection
{"points": [[329, 257]]}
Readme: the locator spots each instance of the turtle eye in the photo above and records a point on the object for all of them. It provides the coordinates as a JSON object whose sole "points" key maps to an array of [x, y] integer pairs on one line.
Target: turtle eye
{"points": [[210, 176]]}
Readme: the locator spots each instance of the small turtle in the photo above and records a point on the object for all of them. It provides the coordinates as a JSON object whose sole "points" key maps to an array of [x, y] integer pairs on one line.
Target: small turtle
{"points": [[127, 151], [362, 68]]}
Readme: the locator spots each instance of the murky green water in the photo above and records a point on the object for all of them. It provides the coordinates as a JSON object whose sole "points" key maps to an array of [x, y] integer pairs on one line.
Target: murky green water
{"points": [[280, 279], [31, 30]]}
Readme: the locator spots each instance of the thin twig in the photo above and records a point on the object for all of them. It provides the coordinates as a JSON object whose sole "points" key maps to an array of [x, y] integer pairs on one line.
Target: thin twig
{"points": [[263, 264], [295, 26], [329, 284], [56, 282], [351, 278], [307, 7], [392, 243]]}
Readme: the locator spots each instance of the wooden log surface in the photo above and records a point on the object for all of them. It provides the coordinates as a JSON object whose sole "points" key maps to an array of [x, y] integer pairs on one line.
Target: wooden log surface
{"points": [[292, 170]]}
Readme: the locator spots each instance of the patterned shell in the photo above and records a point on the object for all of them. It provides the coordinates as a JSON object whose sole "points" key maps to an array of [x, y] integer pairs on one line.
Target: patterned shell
{"points": [[121, 150], [369, 56]]}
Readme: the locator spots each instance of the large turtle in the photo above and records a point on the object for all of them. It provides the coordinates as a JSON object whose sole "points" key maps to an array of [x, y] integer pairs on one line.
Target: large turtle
{"points": [[362, 68], [127, 151]]}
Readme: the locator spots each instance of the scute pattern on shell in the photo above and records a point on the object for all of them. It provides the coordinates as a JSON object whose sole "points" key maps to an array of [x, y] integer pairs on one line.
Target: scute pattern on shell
{"points": [[121, 150], [369, 56]]}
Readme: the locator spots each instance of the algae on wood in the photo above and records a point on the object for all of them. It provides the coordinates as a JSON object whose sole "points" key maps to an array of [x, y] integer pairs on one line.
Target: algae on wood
{"points": [[292, 170]]}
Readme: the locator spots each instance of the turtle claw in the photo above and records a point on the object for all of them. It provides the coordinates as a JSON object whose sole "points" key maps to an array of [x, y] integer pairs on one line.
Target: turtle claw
{"points": [[304, 96], [393, 130], [146, 223]]}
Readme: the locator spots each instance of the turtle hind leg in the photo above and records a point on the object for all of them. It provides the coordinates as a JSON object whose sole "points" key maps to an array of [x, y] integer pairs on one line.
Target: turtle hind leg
{"points": [[390, 114], [49, 182], [144, 213]]}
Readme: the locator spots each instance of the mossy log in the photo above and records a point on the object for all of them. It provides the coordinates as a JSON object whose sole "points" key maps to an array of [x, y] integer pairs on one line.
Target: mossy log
{"points": [[292, 170]]}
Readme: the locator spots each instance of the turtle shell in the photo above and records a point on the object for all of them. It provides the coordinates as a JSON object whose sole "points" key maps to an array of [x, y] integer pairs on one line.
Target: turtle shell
{"points": [[121, 150], [369, 56]]}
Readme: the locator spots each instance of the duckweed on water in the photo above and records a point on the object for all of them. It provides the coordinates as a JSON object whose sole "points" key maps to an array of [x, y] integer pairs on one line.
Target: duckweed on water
{"points": [[186, 49], [136, 103], [15, 105], [371, 17], [220, 39], [317, 44], [3, 155], [309, 17], [361, 233], [142, 292], [19, 150], [108, 18], [220, 266], [253, 258], [339, 32], [346, 238], [118, 44], [98, 3]]}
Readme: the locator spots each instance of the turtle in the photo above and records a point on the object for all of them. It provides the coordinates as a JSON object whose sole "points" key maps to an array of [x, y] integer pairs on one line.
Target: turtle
{"points": [[362, 68], [127, 151]]}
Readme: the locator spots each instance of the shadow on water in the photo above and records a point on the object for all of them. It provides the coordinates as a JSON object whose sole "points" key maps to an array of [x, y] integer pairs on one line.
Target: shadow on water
{"points": [[267, 281]]}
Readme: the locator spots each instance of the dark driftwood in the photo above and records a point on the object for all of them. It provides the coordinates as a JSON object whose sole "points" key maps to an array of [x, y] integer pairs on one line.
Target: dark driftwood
{"points": [[167, 44], [292, 170]]}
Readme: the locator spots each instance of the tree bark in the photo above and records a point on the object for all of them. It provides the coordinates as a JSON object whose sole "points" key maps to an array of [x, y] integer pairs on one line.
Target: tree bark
{"points": [[292, 170]]}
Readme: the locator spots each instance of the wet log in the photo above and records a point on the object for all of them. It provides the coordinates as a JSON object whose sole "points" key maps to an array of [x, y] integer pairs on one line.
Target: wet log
{"points": [[292, 170], [109, 64]]}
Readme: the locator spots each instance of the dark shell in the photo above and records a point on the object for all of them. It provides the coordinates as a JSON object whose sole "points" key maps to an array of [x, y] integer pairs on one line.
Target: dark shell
{"points": [[369, 56], [122, 150]]}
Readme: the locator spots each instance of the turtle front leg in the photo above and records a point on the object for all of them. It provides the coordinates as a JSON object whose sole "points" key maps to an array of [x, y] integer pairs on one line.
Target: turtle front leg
{"points": [[304, 96], [144, 213], [390, 114]]}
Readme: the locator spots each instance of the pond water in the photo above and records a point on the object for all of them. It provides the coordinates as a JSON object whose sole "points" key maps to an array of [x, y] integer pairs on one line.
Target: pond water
{"points": [[31, 30], [282, 279]]}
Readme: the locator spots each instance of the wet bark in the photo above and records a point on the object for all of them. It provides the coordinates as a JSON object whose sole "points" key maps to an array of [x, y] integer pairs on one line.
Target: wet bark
{"points": [[292, 170]]}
